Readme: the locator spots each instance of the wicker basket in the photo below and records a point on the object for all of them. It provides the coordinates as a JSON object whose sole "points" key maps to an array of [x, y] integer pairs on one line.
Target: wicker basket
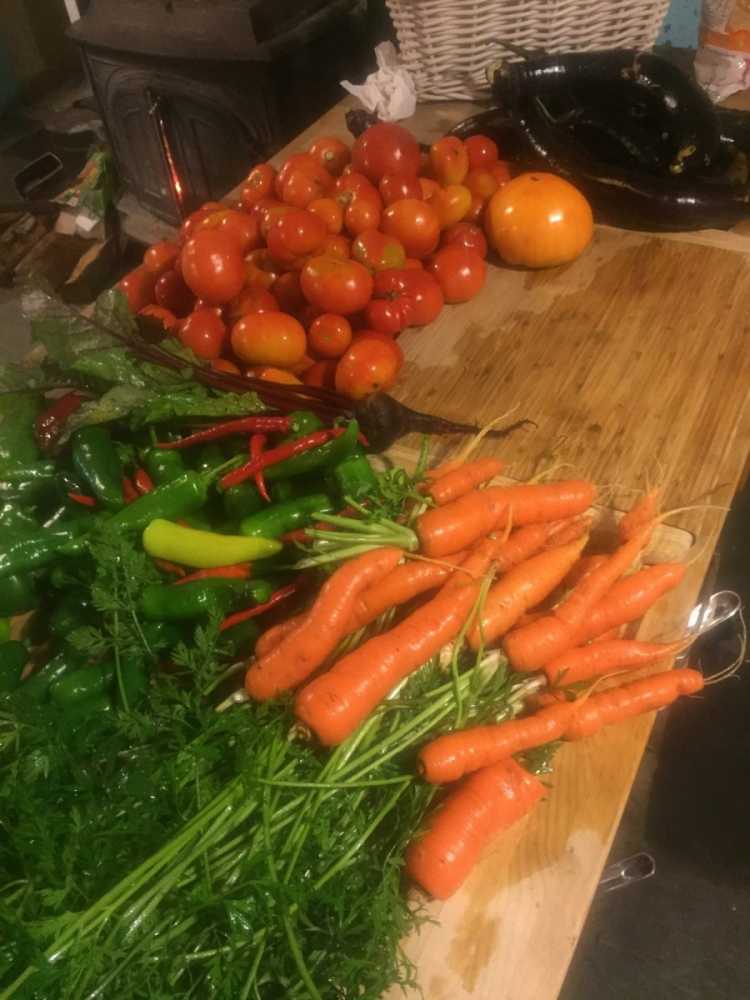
{"points": [[447, 44]]}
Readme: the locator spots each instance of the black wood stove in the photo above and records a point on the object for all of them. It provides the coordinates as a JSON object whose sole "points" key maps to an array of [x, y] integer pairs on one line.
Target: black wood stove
{"points": [[194, 92]]}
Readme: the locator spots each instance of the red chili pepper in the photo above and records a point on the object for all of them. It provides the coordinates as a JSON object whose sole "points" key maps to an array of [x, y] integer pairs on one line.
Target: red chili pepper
{"points": [[169, 567], [300, 535], [242, 616], [279, 454], [50, 423], [82, 499], [240, 571], [129, 492], [363, 440], [257, 444], [142, 481], [245, 425]]}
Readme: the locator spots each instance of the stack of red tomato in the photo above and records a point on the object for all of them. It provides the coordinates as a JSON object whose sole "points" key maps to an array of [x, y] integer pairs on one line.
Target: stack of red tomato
{"points": [[316, 271]]}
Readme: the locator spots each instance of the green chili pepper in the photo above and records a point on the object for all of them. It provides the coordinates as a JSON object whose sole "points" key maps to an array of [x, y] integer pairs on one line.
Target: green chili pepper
{"points": [[15, 519], [161, 635], [27, 482], [17, 595], [37, 686], [71, 612], [354, 477], [42, 547], [303, 422], [209, 457], [78, 717], [18, 412], [330, 453], [15, 472], [240, 501], [13, 658], [203, 549], [167, 602], [178, 498], [96, 460], [279, 518], [4, 629], [163, 466], [82, 684], [67, 513], [240, 639]]}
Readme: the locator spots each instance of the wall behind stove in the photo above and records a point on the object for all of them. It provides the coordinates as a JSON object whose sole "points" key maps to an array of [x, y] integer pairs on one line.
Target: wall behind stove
{"points": [[34, 42]]}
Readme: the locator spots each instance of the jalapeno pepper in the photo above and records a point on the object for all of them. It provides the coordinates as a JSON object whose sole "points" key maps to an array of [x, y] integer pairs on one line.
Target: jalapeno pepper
{"points": [[275, 521], [240, 501], [161, 602], [203, 549], [96, 460], [13, 658], [40, 548], [302, 422], [27, 482], [17, 595], [82, 684], [354, 476], [36, 687], [163, 466], [178, 498]]}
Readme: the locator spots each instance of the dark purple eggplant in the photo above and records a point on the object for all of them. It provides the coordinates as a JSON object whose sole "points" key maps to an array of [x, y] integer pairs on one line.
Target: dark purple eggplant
{"points": [[682, 113]]}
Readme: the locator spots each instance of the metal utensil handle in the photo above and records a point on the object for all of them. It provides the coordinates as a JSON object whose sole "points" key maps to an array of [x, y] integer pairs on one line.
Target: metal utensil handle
{"points": [[635, 868]]}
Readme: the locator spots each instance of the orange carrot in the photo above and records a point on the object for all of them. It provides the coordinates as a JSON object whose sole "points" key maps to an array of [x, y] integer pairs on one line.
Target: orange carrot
{"points": [[461, 480], [525, 542], [607, 657], [569, 529], [522, 588], [238, 571], [534, 645], [447, 529], [306, 648], [335, 703], [273, 636], [441, 858], [584, 566], [450, 757], [643, 511]]}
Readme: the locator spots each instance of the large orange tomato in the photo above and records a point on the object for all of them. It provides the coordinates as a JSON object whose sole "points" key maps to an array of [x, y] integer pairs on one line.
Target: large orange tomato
{"points": [[212, 266], [371, 364], [269, 338], [335, 285], [415, 225], [538, 220], [385, 148]]}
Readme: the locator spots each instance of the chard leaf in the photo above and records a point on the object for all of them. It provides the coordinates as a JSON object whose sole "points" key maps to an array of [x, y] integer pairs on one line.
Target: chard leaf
{"points": [[194, 401]]}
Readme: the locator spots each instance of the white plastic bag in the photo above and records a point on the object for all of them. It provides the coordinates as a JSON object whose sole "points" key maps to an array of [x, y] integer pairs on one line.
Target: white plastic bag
{"points": [[389, 92], [722, 64]]}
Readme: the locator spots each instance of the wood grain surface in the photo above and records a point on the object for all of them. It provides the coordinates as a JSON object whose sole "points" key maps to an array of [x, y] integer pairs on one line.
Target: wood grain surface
{"points": [[634, 363]]}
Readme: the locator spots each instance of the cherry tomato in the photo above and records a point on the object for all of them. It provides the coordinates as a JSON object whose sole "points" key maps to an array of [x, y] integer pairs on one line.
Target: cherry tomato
{"points": [[302, 365], [460, 272], [322, 374], [449, 160], [295, 235], [337, 246], [394, 187], [243, 228], [201, 304], [368, 366], [389, 316], [428, 186], [288, 293], [302, 187], [160, 257], [223, 365], [482, 151], [415, 224], [253, 298], [330, 211], [481, 182], [465, 234], [305, 162], [260, 268], [337, 286], [329, 335], [270, 374], [204, 333], [212, 266], [362, 212], [138, 288], [352, 184], [385, 148], [269, 338], [501, 172], [172, 293], [377, 251], [262, 206], [476, 211], [259, 184], [331, 153], [451, 204], [420, 287], [412, 262], [167, 319]]}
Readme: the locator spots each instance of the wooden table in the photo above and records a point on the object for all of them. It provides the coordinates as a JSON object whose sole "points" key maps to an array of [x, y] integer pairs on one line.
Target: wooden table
{"points": [[633, 361]]}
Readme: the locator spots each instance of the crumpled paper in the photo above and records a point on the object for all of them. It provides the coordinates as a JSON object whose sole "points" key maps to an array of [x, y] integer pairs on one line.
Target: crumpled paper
{"points": [[389, 92]]}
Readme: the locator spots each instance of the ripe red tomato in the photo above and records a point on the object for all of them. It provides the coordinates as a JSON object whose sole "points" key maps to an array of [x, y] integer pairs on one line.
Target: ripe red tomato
{"points": [[259, 184], [172, 293], [322, 374], [449, 160], [269, 338], [212, 266], [389, 316], [465, 234], [337, 246], [428, 186], [482, 151], [138, 288], [394, 187], [160, 257], [161, 315], [194, 220], [330, 211], [288, 292], [301, 187], [363, 212], [331, 153], [305, 162], [295, 235], [334, 285], [260, 268], [481, 182], [414, 263], [421, 288], [415, 224], [369, 365], [377, 251], [329, 335], [204, 333], [476, 211], [501, 172], [451, 204], [385, 148], [353, 184], [254, 298], [243, 228], [460, 272], [271, 215]]}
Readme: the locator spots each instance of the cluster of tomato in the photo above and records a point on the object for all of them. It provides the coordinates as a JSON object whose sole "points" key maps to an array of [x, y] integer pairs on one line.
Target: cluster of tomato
{"points": [[319, 267]]}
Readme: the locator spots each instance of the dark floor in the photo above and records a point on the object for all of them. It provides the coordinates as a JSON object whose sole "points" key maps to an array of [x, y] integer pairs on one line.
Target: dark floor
{"points": [[684, 933]]}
